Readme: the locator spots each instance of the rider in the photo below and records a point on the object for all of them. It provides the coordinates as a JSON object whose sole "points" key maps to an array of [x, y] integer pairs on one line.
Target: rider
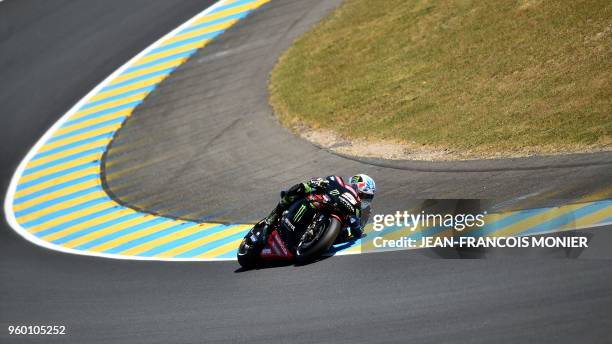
{"points": [[360, 186]]}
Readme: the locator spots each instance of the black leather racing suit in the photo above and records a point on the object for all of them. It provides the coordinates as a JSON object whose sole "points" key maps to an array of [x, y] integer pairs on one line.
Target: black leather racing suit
{"points": [[350, 203]]}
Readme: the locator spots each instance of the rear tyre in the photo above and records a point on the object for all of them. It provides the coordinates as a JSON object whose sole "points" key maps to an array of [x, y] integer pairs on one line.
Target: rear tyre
{"points": [[311, 250], [248, 253]]}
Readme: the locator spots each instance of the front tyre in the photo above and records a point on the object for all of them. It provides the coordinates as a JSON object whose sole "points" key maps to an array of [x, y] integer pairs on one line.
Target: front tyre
{"points": [[319, 242]]}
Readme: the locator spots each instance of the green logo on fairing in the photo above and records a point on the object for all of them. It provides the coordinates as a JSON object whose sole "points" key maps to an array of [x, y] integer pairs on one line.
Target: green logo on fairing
{"points": [[299, 213]]}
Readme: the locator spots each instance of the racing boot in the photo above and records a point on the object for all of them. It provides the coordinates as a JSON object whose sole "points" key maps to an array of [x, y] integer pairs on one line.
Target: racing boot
{"points": [[270, 221], [258, 235], [287, 197], [255, 237]]}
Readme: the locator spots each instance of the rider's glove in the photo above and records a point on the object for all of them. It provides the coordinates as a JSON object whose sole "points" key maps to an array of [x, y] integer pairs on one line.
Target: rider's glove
{"points": [[318, 184]]}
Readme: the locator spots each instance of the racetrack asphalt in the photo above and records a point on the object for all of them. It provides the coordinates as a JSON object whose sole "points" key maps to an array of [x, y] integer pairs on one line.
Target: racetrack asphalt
{"points": [[60, 50], [205, 144]]}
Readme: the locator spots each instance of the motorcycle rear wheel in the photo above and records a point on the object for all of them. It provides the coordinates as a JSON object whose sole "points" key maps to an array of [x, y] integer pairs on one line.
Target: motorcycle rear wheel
{"points": [[247, 255]]}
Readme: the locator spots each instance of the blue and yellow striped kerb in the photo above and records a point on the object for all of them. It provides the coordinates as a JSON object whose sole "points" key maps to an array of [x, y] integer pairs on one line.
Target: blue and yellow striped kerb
{"points": [[526, 222], [56, 198]]}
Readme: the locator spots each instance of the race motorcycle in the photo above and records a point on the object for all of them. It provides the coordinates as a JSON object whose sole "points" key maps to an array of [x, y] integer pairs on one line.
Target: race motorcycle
{"points": [[305, 231]]}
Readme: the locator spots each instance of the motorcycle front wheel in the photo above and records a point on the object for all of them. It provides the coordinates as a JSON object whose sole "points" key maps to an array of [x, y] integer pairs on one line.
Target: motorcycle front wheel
{"points": [[312, 246]]}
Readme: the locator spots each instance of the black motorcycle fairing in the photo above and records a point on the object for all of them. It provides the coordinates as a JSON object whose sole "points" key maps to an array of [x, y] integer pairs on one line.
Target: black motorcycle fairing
{"points": [[295, 220]]}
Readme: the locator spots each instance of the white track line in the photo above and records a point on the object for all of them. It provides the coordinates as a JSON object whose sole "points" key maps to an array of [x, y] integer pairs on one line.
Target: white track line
{"points": [[8, 202]]}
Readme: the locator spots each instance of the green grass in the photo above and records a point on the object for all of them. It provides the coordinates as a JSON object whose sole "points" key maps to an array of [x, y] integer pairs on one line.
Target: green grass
{"points": [[474, 77]]}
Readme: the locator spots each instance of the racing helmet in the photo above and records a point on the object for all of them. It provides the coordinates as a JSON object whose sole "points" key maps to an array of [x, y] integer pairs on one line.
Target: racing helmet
{"points": [[364, 186]]}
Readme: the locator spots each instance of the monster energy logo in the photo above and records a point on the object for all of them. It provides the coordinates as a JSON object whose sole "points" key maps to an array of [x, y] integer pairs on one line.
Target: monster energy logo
{"points": [[299, 213]]}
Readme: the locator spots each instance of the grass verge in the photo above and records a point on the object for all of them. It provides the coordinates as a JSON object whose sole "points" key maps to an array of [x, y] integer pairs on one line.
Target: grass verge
{"points": [[474, 78]]}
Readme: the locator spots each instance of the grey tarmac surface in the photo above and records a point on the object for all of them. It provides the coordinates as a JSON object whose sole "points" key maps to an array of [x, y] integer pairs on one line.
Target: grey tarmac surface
{"points": [[391, 297], [205, 145]]}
